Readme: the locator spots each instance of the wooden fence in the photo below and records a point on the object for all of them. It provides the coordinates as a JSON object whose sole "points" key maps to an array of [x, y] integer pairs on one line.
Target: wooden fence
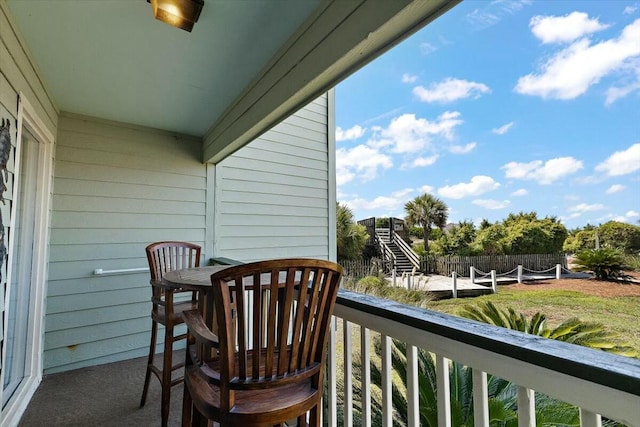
{"points": [[365, 267], [445, 265]]}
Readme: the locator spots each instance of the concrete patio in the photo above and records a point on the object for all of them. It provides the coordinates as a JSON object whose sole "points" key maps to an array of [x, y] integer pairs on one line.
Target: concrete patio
{"points": [[104, 395]]}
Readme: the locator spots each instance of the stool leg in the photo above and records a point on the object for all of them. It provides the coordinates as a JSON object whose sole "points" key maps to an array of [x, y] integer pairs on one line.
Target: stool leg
{"points": [[187, 403], [314, 416], [198, 420], [166, 374], [152, 351]]}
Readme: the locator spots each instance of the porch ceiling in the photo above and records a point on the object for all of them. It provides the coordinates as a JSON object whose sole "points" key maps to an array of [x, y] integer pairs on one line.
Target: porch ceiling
{"points": [[245, 66]]}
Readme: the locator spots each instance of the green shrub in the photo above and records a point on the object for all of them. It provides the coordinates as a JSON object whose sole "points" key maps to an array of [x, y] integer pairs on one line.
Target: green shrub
{"points": [[621, 236], [605, 263], [633, 262], [370, 285], [380, 287], [415, 232], [579, 241], [419, 249]]}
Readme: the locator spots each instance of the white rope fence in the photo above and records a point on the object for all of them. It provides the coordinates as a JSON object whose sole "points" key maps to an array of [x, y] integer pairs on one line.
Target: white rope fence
{"points": [[476, 274], [412, 280]]}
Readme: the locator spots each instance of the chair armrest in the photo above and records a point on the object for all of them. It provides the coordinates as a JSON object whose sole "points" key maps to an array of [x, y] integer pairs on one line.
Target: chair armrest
{"points": [[198, 329]]}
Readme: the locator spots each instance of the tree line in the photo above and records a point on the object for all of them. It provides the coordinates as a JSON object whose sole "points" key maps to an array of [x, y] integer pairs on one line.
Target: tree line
{"points": [[519, 233]]}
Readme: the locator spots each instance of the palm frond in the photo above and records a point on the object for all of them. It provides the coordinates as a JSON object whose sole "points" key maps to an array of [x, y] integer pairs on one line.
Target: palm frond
{"points": [[565, 329], [537, 324]]}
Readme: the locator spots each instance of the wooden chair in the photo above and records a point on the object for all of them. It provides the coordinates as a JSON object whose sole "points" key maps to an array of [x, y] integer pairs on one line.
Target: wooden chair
{"points": [[265, 364], [164, 257]]}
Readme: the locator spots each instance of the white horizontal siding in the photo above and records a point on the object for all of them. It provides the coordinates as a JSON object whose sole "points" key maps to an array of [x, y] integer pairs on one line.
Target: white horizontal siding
{"points": [[19, 74], [18, 77], [272, 196], [117, 188]]}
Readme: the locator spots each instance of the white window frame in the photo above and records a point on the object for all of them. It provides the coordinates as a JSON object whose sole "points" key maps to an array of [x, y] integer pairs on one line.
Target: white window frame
{"points": [[28, 118]]}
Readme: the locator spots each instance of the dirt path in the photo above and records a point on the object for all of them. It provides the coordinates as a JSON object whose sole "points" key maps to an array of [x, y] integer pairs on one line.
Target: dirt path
{"points": [[588, 286]]}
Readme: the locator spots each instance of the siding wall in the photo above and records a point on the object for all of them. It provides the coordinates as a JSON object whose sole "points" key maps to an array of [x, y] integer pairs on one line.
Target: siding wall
{"points": [[17, 74], [116, 189], [273, 196]]}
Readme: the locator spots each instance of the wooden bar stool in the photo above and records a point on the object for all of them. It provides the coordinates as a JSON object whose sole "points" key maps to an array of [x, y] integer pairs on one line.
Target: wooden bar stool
{"points": [[257, 344], [164, 257]]}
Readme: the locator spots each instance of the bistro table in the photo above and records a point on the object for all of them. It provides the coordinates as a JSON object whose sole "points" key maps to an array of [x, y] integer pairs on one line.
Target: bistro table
{"points": [[192, 279], [199, 278]]}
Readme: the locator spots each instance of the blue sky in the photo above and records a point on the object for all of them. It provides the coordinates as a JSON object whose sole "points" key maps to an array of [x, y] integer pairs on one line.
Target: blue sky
{"points": [[497, 107]]}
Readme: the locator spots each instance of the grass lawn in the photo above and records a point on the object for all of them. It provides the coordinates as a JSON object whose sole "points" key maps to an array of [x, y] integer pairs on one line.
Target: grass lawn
{"points": [[621, 315]]}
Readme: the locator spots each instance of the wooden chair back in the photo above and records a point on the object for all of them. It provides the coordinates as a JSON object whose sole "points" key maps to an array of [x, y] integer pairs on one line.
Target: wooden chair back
{"points": [[272, 318], [168, 256], [171, 255]]}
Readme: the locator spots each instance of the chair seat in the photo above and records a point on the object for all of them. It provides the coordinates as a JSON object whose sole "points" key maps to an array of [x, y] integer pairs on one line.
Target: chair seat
{"points": [[251, 404], [161, 317]]}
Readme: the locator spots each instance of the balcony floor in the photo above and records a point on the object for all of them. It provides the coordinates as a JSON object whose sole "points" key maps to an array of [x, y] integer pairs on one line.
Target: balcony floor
{"points": [[105, 395]]}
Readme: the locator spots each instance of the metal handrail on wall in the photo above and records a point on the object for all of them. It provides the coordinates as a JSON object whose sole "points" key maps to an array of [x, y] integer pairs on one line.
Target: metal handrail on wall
{"points": [[101, 272]]}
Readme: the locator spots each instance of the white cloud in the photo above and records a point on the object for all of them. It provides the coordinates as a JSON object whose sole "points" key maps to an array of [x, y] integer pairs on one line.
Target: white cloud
{"points": [[628, 217], [615, 93], [379, 117], [519, 193], [564, 29], [615, 188], [483, 19], [359, 162], [343, 176], [390, 203], [478, 185], [408, 134], [502, 129], [492, 204], [420, 162], [584, 207], [409, 78], [545, 173], [626, 87], [450, 90], [569, 73], [622, 162], [463, 149], [629, 10], [427, 48], [521, 170], [354, 132], [426, 189], [495, 11], [570, 216]]}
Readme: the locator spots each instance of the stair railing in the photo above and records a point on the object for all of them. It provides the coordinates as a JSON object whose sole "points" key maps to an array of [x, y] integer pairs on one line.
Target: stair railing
{"points": [[387, 253], [406, 249]]}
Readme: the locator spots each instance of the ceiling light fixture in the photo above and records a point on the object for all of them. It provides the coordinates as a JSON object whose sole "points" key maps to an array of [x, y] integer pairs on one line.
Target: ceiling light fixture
{"points": [[179, 13]]}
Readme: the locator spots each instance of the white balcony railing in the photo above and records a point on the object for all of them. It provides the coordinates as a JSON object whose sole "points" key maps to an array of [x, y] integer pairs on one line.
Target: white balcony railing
{"points": [[600, 384]]}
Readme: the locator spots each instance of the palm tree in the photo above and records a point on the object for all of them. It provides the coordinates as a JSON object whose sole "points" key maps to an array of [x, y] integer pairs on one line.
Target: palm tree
{"points": [[426, 211], [351, 237], [574, 331], [502, 400]]}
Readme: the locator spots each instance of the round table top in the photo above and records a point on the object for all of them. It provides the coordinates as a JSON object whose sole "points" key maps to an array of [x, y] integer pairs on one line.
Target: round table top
{"points": [[197, 276]]}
